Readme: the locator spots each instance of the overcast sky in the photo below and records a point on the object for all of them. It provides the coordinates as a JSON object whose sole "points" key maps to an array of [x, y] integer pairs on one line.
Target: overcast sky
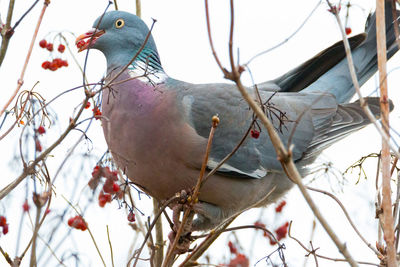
{"points": [[181, 38]]}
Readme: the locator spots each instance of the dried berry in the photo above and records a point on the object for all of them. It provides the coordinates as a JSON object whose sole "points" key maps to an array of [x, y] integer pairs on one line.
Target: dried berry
{"points": [[348, 30]]}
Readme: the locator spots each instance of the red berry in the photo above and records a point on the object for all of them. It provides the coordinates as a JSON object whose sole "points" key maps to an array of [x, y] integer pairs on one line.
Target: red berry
{"points": [[348, 30], [57, 62], [61, 48], [49, 47], [47, 211], [232, 248], [53, 66], [80, 43], [255, 134], [41, 130], [5, 229], [71, 221], [131, 217], [43, 43], [87, 105], [239, 261], [96, 113], [280, 206], [282, 231], [25, 206], [64, 63], [46, 65], [115, 187], [3, 221]]}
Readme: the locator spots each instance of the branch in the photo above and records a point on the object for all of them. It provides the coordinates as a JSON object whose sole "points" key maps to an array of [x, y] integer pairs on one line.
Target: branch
{"points": [[388, 223]]}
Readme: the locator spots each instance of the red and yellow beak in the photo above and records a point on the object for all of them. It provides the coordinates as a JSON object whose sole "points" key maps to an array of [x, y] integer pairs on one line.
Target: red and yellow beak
{"points": [[91, 37]]}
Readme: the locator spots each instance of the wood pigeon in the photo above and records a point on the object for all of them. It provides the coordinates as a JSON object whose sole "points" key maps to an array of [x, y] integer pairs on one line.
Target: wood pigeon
{"points": [[157, 127]]}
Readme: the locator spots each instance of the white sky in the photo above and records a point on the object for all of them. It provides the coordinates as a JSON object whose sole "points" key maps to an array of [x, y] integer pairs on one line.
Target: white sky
{"points": [[181, 37]]}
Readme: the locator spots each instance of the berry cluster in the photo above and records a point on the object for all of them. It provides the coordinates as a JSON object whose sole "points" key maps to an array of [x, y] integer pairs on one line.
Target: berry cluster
{"points": [[110, 186], [56, 63], [77, 222], [281, 231], [4, 224], [96, 112], [240, 260], [255, 134]]}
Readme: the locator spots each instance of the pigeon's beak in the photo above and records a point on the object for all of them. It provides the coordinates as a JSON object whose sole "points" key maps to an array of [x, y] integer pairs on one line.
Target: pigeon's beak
{"points": [[91, 37]]}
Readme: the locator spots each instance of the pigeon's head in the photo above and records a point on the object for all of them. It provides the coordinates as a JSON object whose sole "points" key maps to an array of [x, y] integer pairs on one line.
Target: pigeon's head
{"points": [[119, 35]]}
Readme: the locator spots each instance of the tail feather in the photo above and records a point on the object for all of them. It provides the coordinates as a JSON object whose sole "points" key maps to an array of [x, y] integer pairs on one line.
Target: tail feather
{"points": [[349, 118]]}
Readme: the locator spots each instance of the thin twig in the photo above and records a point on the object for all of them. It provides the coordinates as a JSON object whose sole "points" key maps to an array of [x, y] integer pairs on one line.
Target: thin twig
{"points": [[21, 78], [156, 216], [111, 250], [321, 256], [194, 196], [348, 218]]}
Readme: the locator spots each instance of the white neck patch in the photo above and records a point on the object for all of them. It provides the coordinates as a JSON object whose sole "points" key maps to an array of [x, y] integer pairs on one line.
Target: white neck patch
{"points": [[146, 73]]}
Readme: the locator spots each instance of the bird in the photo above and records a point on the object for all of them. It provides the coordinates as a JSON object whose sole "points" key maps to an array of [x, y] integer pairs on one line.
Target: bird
{"points": [[157, 127]]}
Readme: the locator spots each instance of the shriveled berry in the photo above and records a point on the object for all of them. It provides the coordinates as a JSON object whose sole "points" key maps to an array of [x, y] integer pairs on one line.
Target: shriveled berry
{"points": [[46, 65], [43, 43], [41, 130], [49, 47], [61, 48]]}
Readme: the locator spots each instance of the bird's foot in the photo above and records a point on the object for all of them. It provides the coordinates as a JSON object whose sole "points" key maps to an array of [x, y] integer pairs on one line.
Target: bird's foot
{"points": [[183, 244]]}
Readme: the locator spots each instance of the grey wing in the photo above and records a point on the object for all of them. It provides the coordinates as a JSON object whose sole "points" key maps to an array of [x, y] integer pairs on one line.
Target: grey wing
{"points": [[302, 114]]}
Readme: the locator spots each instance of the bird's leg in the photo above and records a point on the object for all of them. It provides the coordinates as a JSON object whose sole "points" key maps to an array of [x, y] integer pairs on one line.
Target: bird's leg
{"points": [[185, 238]]}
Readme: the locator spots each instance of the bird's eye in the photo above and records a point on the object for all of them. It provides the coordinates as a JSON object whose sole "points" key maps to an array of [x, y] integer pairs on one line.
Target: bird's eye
{"points": [[119, 23]]}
